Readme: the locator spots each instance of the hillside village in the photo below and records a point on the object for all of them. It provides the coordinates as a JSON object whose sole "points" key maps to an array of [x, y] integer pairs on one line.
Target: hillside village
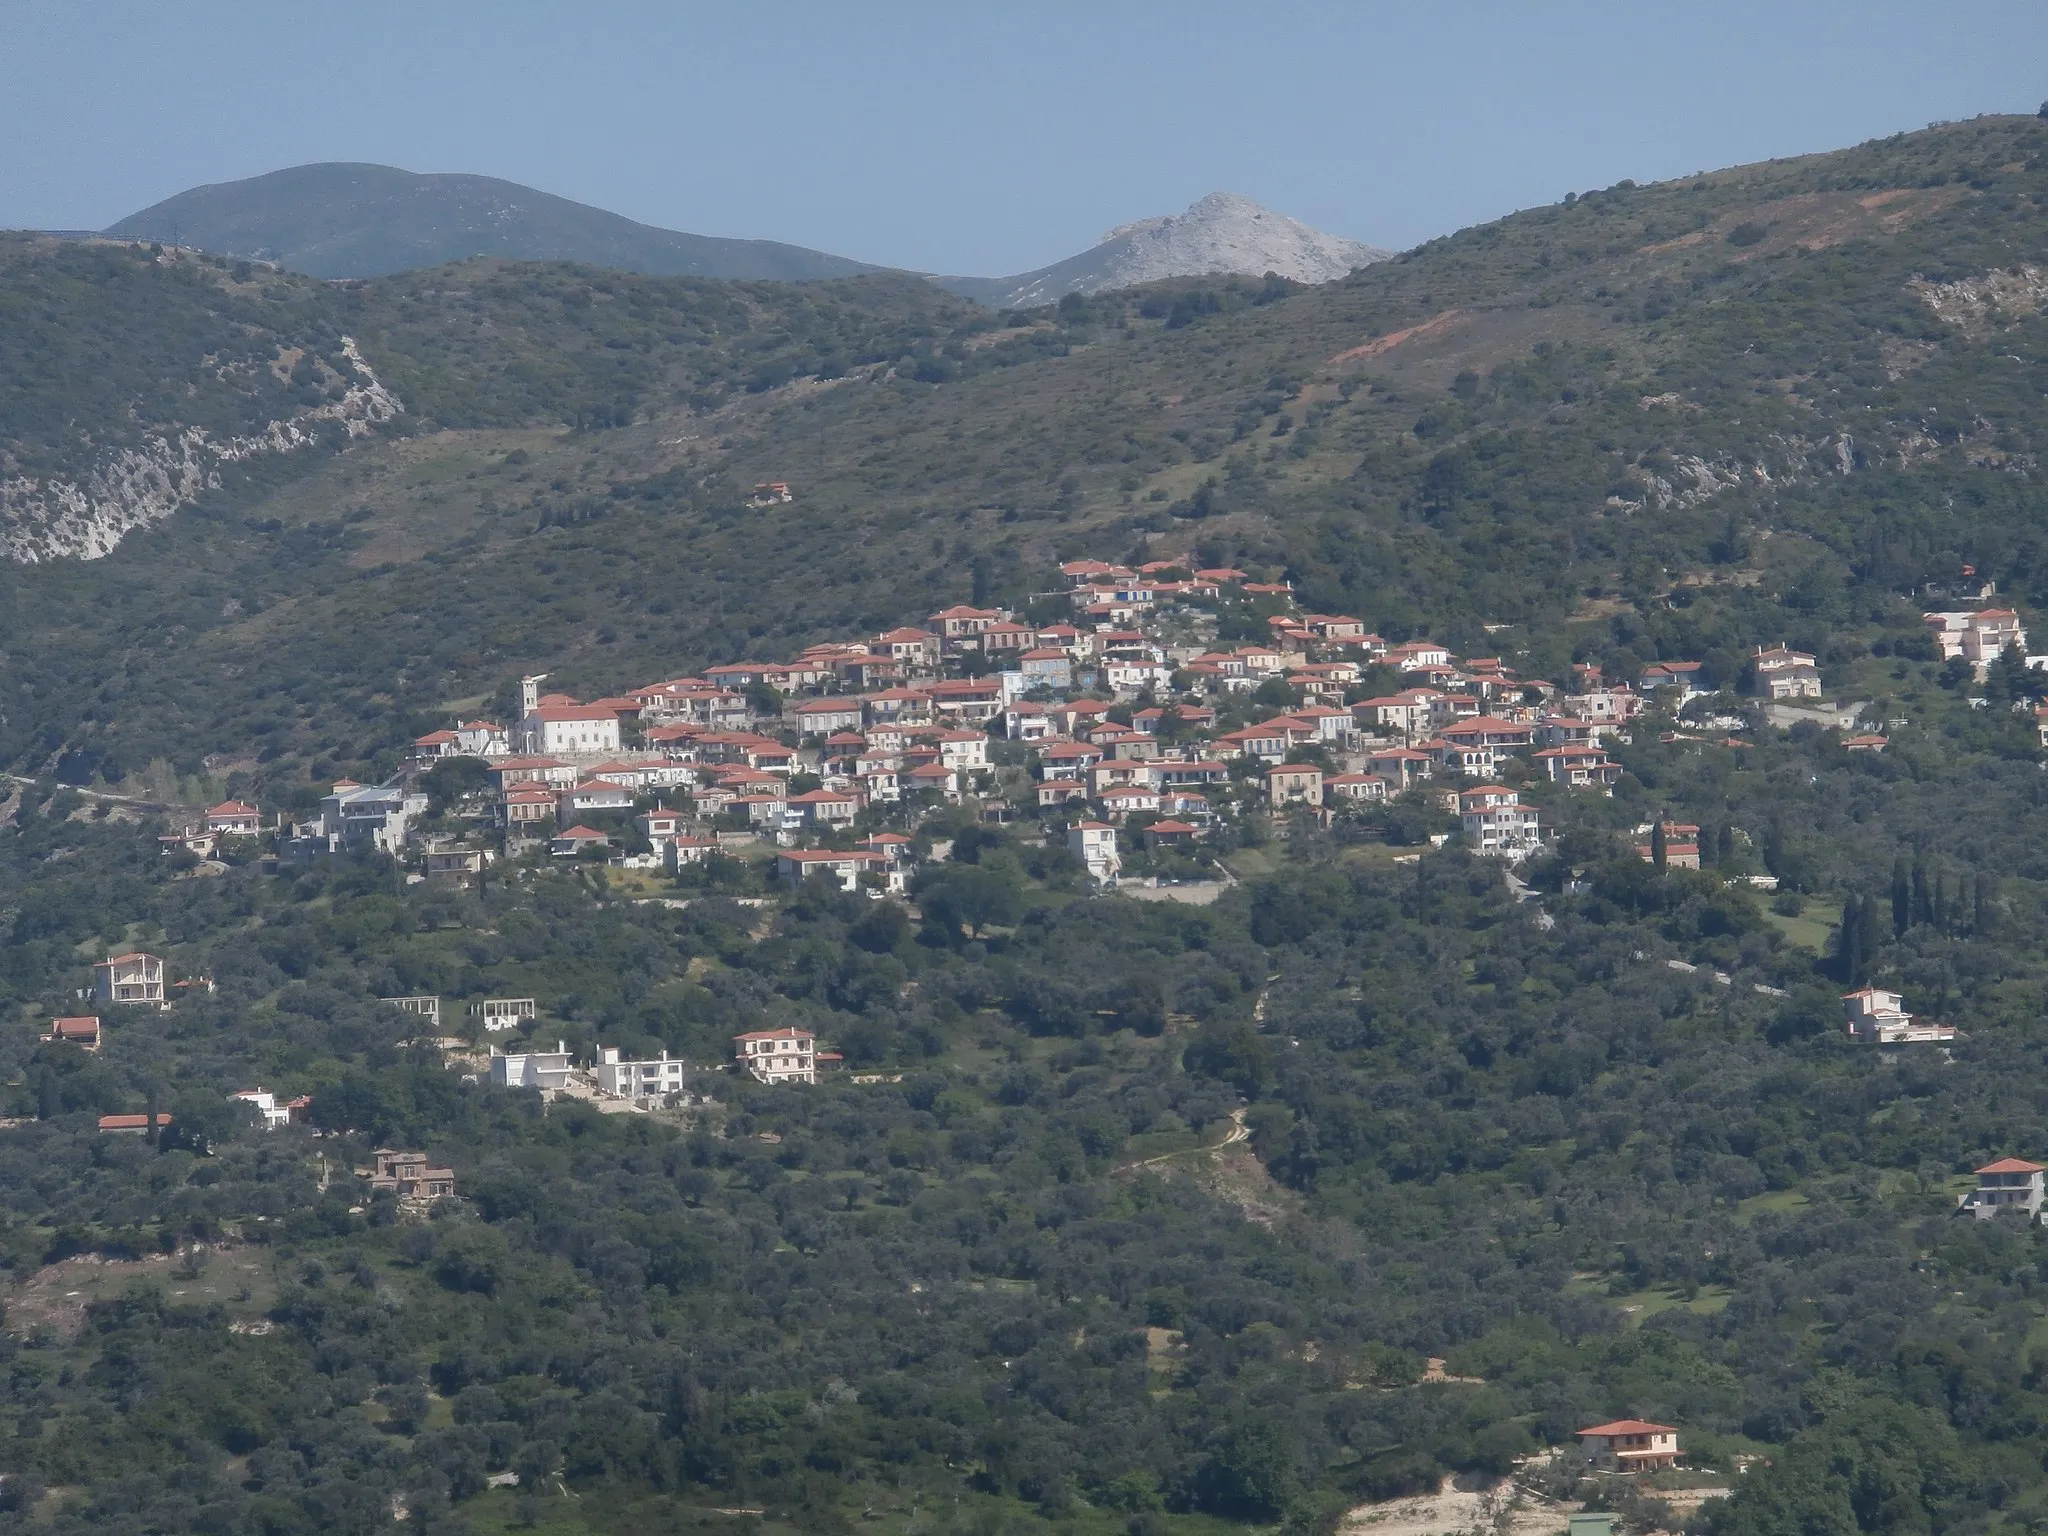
{"points": [[1125, 731], [1122, 729]]}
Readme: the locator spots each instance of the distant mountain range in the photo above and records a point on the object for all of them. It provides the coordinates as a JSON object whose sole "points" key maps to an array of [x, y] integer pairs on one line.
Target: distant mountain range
{"points": [[1222, 232], [348, 220]]}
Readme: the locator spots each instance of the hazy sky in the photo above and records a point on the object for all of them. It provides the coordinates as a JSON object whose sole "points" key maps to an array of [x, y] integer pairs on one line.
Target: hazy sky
{"points": [[972, 137]]}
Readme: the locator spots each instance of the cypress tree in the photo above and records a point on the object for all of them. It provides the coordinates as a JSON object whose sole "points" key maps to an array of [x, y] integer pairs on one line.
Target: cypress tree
{"points": [[1657, 846], [1849, 940], [1923, 906], [1724, 845], [1869, 935], [1902, 898]]}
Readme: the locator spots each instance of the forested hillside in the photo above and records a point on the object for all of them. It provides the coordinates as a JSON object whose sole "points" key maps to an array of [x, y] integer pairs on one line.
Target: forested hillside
{"points": [[988, 1278], [1117, 1217], [1805, 375]]}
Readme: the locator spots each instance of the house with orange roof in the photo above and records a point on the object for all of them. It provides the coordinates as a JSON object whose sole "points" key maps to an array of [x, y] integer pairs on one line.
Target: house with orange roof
{"points": [[961, 622], [131, 1125], [551, 728], [1978, 638], [524, 806], [917, 648], [821, 717], [1294, 784], [1581, 767], [1783, 673], [1354, 788], [1878, 1017], [1681, 676], [432, 747], [793, 866], [234, 818], [1123, 800], [83, 1032], [1630, 1445], [786, 1055], [571, 843], [2009, 1184], [1497, 825]]}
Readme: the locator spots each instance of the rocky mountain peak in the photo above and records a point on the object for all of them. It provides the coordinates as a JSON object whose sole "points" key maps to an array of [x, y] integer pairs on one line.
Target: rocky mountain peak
{"points": [[1222, 232]]}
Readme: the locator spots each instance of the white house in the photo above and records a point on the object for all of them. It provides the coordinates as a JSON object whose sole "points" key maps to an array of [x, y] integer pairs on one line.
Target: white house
{"points": [[131, 978], [655, 1079], [531, 1069], [1979, 638], [274, 1114], [1094, 844], [482, 738], [234, 818], [1496, 823], [786, 1055], [796, 865], [2011, 1183], [1782, 673], [494, 1014], [1878, 1017], [552, 728]]}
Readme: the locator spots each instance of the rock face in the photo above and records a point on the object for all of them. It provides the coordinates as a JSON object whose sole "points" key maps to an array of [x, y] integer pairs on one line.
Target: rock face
{"points": [[133, 488], [1222, 232]]}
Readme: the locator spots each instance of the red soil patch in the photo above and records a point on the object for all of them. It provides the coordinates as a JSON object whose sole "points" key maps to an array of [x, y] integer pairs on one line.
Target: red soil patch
{"points": [[1433, 326]]}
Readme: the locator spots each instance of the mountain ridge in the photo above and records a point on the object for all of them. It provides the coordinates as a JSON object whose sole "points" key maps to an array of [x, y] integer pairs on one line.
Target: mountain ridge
{"points": [[353, 220], [1702, 391], [345, 219]]}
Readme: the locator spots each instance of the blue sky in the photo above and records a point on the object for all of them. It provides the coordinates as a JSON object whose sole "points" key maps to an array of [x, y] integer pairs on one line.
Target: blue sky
{"points": [[972, 137]]}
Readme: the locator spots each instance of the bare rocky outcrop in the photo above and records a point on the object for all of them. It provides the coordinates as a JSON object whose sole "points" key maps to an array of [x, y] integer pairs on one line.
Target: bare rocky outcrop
{"points": [[1977, 303], [1222, 232], [130, 488]]}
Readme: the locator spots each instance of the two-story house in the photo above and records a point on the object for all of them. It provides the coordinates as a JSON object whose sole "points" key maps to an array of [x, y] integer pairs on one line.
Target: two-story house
{"points": [[132, 978], [786, 1055], [654, 1078], [2010, 1184], [1631, 1445], [1094, 844]]}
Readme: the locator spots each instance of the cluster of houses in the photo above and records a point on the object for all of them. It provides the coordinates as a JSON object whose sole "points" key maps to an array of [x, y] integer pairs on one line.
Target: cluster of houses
{"points": [[1116, 721], [908, 717]]}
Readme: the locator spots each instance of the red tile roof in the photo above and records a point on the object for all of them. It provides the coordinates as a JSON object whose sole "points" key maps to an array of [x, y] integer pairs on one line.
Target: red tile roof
{"points": [[1630, 1427]]}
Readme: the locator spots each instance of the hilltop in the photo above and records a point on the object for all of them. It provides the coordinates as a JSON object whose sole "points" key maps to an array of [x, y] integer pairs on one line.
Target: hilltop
{"points": [[340, 219], [1791, 378], [1220, 233]]}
